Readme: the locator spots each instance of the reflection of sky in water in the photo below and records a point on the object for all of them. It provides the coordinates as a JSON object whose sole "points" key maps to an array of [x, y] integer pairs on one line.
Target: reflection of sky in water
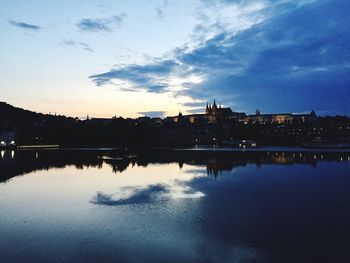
{"points": [[161, 213]]}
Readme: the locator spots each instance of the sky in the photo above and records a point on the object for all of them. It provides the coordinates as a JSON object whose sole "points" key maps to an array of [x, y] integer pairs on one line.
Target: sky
{"points": [[158, 57]]}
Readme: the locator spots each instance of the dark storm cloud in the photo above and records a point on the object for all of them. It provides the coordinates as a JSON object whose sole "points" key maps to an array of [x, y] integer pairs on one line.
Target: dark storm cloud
{"points": [[24, 25], [101, 24], [296, 61]]}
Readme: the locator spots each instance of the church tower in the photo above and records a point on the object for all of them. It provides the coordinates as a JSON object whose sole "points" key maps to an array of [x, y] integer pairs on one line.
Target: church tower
{"points": [[214, 105]]}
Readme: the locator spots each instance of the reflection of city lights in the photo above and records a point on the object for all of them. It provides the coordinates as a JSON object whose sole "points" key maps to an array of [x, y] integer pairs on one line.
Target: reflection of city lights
{"points": [[12, 154], [2, 154], [36, 155]]}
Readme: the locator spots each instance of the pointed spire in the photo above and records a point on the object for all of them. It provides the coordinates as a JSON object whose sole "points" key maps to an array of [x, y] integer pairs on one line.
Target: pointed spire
{"points": [[214, 103]]}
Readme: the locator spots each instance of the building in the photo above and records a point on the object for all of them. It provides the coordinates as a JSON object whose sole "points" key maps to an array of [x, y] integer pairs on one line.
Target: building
{"points": [[213, 114], [279, 118], [7, 138]]}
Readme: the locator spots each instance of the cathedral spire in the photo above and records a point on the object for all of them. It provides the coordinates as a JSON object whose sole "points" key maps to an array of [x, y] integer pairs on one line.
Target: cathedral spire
{"points": [[214, 105]]}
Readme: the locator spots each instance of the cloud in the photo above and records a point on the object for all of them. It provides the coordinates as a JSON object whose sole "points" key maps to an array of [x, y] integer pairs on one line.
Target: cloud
{"points": [[194, 104], [72, 43], [153, 114], [132, 195], [138, 196], [147, 77], [101, 24], [196, 111], [296, 58], [24, 25], [159, 10]]}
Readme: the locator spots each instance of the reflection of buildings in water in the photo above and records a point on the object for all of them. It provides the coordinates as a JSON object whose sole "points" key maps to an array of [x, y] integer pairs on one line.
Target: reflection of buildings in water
{"points": [[119, 166], [216, 166], [13, 163], [7, 156]]}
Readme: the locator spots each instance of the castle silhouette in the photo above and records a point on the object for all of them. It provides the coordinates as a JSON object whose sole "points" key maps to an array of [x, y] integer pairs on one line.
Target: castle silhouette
{"points": [[216, 113]]}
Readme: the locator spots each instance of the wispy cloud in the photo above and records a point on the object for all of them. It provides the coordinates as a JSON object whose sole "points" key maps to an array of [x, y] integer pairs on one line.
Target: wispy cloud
{"points": [[160, 9], [196, 110], [72, 43], [101, 24], [153, 114], [24, 25], [194, 104]]}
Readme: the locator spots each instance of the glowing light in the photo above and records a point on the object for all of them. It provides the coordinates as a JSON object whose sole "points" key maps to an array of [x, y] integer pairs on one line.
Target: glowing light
{"points": [[12, 154], [2, 154]]}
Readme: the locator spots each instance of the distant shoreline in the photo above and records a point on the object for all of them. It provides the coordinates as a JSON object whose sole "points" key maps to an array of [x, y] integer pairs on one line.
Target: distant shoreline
{"points": [[207, 148]]}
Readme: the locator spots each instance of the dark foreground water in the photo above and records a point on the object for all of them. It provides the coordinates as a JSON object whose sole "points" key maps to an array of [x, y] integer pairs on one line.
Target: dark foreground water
{"points": [[174, 206]]}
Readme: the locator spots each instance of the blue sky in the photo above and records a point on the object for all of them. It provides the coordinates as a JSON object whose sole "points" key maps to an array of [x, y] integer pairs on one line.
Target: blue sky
{"points": [[131, 58]]}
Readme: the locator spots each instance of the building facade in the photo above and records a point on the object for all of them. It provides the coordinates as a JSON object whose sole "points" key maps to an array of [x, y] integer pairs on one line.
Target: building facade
{"points": [[279, 118], [213, 114]]}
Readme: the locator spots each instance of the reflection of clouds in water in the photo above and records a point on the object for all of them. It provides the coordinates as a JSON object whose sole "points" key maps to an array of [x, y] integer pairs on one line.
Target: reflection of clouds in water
{"points": [[197, 171], [152, 193], [240, 254], [129, 195]]}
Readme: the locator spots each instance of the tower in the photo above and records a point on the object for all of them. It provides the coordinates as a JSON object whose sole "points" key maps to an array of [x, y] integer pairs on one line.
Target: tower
{"points": [[214, 105]]}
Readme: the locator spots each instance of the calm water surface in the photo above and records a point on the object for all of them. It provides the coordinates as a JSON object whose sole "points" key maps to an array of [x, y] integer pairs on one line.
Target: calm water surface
{"points": [[174, 206]]}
